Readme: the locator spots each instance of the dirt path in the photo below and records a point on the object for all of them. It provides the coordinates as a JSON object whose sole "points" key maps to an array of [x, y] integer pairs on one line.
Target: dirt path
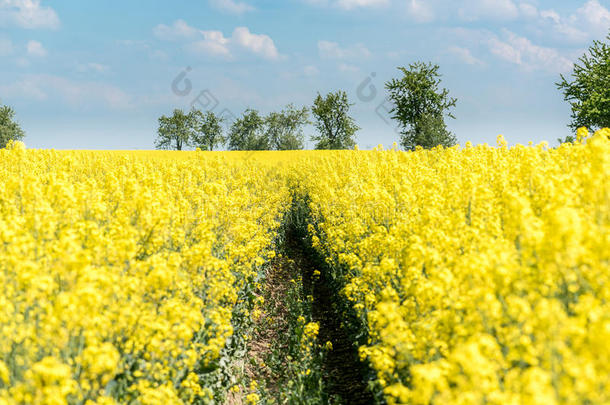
{"points": [[343, 372], [269, 330], [292, 290]]}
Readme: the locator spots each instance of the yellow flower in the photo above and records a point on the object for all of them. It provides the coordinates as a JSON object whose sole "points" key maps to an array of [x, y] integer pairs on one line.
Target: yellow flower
{"points": [[581, 134], [479, 274], [112, 258], [312, 329], [252, 398], [472, 268], [4, 373]]}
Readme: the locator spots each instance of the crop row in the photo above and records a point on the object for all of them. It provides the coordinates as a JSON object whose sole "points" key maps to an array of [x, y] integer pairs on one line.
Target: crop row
{"points": [[480, 274], [472, 275], [119, 272]]}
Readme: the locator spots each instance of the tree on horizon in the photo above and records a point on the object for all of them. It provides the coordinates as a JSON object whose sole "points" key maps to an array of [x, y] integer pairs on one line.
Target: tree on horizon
{"points": [[10, 130], [175, 132], [589, 91], [335, 127], [420, 107]]}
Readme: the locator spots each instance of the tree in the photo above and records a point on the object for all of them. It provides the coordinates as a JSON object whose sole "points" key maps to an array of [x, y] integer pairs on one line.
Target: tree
{"points": [[284, 130], [589, 91], [175, 132], [207, 133], [336, 128], [420, 106], [247, 132], [430, 131], [9, 128]]}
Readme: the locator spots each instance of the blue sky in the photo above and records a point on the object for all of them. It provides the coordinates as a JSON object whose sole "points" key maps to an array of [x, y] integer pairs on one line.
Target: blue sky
{"points": [[97, 75]]}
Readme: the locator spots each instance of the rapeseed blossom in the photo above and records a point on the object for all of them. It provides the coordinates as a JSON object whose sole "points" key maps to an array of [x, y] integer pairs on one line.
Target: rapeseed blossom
{"points": [[119, 271], [480, 274]]}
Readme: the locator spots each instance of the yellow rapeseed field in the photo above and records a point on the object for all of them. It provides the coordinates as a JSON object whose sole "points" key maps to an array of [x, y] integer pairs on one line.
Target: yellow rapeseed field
{"points": [[479, 274], [119, 271]]}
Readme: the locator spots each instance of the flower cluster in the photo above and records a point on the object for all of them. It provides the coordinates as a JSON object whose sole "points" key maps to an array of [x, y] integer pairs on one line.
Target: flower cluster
{"points": [[119, 271], [481, 274]]}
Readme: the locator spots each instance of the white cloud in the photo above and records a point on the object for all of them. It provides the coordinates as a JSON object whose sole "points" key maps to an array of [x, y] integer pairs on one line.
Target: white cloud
{"points": [[178, 30], [144, 46], [472, 10], [6, 46], [317, 2], [464, 55], [133, 43], [349, 4], [214, 43], [27, 14], [420, 11], [593, 16], [43, 87], [345, 68], [550, 15], [568, 33], [26, 89], [528, 10], [425, 11], [232, 6], [590, 21], [521, 51], [505, 50], [332, 50], [36, 49], [259, 44], [92, 67]]}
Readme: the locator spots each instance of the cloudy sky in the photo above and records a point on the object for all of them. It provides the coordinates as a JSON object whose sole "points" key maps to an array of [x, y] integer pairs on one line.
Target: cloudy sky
{"points": [[97, 75]]}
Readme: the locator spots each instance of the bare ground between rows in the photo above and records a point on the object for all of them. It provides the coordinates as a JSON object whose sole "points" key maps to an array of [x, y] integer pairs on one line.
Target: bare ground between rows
{"points": [[343, 371], [268, 328]]}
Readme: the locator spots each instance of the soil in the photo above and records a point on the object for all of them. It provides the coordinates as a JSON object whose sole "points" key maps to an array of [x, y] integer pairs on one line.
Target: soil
{"points": [[342, 370]]}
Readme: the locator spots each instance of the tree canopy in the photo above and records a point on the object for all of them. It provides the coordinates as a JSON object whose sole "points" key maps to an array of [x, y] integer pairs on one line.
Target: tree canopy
{"points": [[208, 133], [175, 132], [248, 133], [335, 127], [9, 128], [588, 91], [420, 106], [284, 129]]}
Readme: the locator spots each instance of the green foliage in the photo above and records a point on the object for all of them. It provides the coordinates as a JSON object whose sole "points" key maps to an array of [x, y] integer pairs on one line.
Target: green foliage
{"points": [[175, 132], [567, 139], [207, 133], [335, 127], [429, 131], [278, 131], [420, 106], [589, 91], [284, 129], [9, 128], [248, 132]]}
